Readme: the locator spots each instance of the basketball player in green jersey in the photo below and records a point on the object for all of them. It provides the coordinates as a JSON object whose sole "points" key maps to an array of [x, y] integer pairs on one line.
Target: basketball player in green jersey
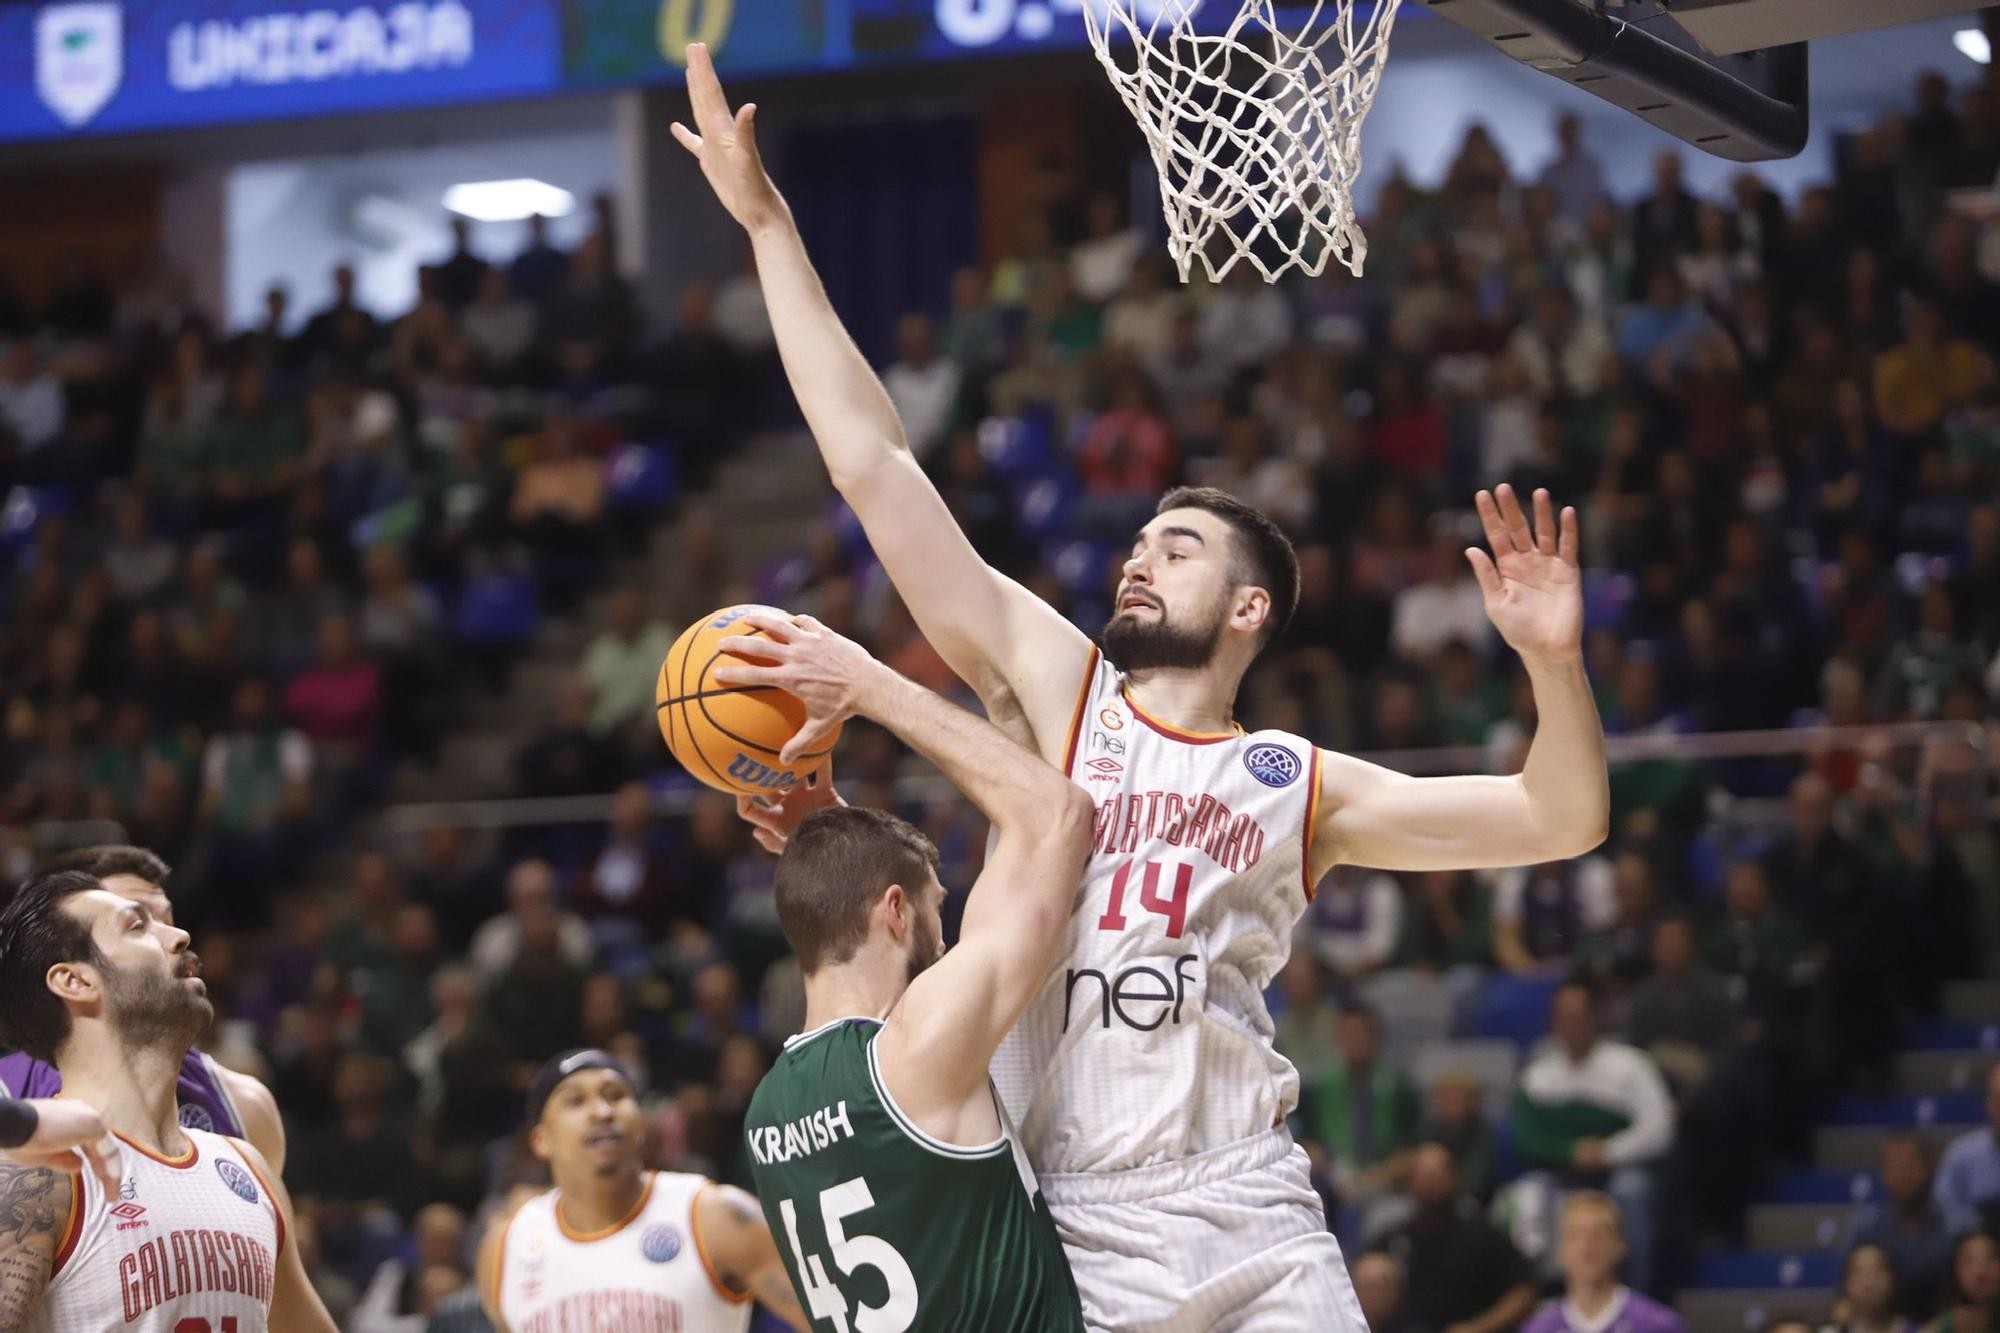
{"points": [[897, 1192]]}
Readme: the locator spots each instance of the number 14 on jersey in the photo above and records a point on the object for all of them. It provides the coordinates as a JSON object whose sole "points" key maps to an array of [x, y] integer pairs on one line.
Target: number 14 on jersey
{"points": [[1170, 904]]}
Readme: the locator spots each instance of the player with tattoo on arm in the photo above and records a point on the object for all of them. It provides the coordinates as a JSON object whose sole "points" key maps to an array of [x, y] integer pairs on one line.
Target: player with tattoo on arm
{"points": [[211, 1097], [192, 1237], [64, 1136], [615, 1247]]}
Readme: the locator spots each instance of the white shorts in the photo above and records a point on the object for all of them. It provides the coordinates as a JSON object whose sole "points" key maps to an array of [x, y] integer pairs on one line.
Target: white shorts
{"points": [[1234, 1239]]}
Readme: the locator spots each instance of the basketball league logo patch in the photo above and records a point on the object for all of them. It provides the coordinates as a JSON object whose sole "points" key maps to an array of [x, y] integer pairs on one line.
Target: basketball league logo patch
{"points": [[660, 1244], [1272, 765], [239, 1181], [196, 1116]]}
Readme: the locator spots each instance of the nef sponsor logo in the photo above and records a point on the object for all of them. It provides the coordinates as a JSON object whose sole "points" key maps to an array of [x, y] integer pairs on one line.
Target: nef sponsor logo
{"points": [[1272, 765], [1141, 997], [1130, 819]]}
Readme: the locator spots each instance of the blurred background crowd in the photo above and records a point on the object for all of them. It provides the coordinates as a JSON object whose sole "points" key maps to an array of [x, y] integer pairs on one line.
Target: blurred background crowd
{"points": [[257, 578]]}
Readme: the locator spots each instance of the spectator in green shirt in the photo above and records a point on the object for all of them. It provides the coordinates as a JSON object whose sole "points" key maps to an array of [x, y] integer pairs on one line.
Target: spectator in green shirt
{"points": [[1363, 1114], [1760, 945], [621, 666]]}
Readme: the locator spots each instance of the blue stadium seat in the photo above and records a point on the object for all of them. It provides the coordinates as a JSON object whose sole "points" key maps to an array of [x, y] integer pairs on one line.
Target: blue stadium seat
{"points": [[847, 528], [1944, 1108], [1042, 506], [641, 478], [1759, 1268], [23, 510], [1014, 447], [1079, 565], [496, 609], [1823, 1186], [1516, 1008], [1951, 1034]]}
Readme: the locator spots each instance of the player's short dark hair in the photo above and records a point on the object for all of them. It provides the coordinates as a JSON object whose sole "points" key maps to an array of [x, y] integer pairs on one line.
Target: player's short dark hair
{"points": [[1264, 555], [36, 934], [110, 859], [835, 866]]}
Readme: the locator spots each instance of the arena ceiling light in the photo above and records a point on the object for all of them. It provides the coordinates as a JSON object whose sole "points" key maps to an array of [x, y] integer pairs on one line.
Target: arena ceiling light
{"points": [[508, 201], [1972, 44]]}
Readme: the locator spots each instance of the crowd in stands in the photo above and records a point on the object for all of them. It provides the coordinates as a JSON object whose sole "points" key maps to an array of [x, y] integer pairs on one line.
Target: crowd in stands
{"points": [[250, 571]]}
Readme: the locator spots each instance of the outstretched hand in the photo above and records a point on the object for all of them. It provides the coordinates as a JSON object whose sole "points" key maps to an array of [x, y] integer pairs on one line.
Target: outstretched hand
{"points": [[726, 146], [774, 818], [70, 1137], [828, 672], [1532, 583]]}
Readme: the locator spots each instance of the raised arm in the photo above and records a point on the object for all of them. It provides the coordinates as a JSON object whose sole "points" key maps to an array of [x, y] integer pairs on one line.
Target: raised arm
{"points": [[1025, 661], [941, 1036], [1559, 805], [34, 1202]]}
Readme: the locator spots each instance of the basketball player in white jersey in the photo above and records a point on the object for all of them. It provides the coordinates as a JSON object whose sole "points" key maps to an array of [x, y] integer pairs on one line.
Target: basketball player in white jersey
{"points": [[220, 1100], [193, 1239], [1143, 1078], [616, 1248]]}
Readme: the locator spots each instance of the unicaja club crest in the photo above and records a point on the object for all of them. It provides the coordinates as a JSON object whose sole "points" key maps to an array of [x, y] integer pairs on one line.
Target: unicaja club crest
{"points": [[79, 57], [1272, 765]]}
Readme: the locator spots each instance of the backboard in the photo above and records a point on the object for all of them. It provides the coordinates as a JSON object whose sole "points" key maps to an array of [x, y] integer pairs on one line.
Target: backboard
{"points": [[1728, 76]]}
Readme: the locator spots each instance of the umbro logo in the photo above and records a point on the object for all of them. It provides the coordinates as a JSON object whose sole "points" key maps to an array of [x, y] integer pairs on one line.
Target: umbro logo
{"points": [[1103, 769], [129, 1215]]}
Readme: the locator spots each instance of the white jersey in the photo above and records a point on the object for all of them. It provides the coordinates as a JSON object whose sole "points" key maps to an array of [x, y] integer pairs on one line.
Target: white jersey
{"points": [[190, 1245], [645, 1274], [1152, 1042]]}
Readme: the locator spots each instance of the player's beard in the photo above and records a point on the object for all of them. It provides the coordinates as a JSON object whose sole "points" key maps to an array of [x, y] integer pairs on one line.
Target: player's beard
{"points": [[148, 1009], [926, 944], [1165, 644]]}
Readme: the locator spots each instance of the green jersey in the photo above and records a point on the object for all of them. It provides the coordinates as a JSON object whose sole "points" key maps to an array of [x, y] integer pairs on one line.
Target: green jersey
{"points": [[884, 1228]]}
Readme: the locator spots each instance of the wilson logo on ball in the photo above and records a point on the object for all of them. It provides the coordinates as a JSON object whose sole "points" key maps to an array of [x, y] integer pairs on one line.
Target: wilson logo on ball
{"points": [[745, 769]]}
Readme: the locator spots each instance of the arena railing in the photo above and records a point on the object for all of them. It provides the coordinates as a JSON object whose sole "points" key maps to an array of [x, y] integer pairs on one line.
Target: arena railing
{"points": [[1914, 740]]}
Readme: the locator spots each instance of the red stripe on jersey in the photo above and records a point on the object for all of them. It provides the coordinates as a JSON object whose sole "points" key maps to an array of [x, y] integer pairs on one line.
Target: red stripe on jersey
{"points": [[1312, 819], [1082, 706]]}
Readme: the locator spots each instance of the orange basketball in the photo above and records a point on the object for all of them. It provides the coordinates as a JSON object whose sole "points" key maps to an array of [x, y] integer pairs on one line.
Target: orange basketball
{"points": [[729, 736]]}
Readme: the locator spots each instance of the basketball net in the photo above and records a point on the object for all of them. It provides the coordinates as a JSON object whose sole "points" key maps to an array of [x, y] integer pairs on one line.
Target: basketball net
{"points": [[1255, 132]]}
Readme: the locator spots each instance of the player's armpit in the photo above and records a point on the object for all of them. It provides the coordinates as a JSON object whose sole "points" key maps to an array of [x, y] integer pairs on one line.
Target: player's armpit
{"points": [[262, 1124], [939, 1039], [295, 1305], [1373, 816], [34, 1207], [1022, 658], [733, 1235]]}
